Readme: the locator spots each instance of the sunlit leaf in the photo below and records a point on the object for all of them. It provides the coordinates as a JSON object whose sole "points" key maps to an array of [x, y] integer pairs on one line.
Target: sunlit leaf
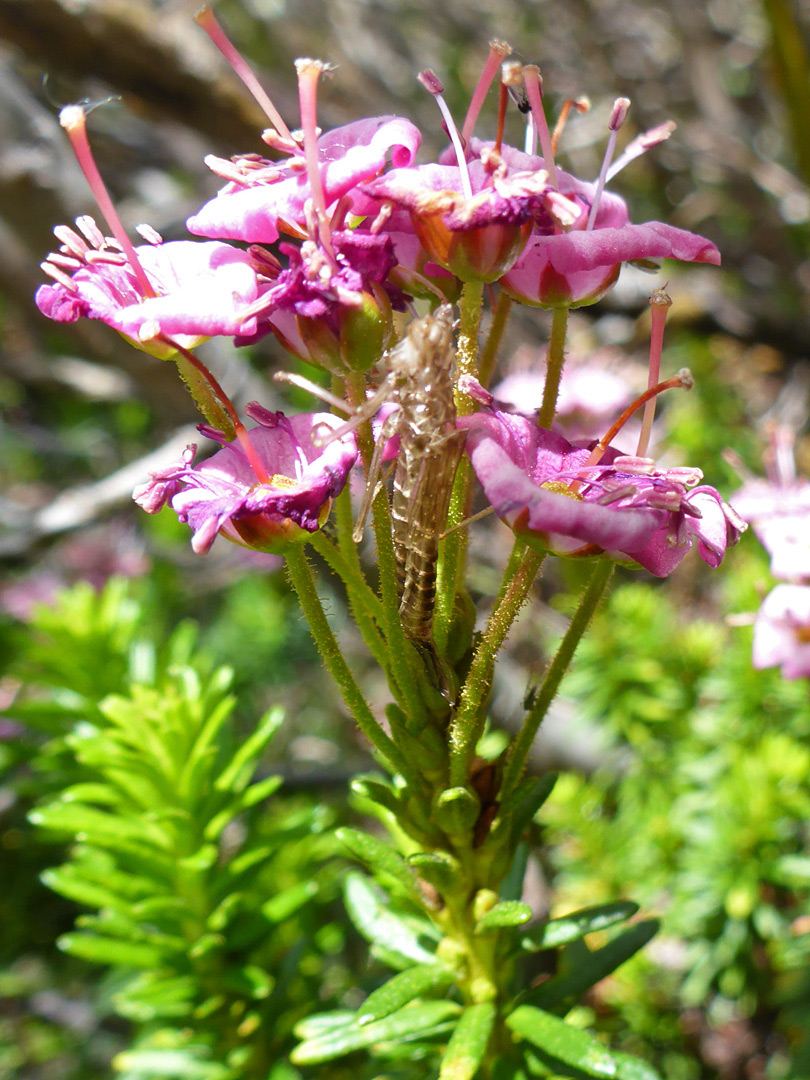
{"points": [[561, 1041]]}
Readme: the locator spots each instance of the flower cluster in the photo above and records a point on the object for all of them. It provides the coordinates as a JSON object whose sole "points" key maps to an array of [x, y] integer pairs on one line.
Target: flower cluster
{"points": [[343, 228], [778, 509]]}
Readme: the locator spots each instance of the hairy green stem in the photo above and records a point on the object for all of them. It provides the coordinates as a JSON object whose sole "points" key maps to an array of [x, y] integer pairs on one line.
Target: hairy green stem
{"points": [[453, 553], [555, 361], [489, 353], [556, 670], [365, 605], [303, 581], [469, 720], [470, 308]]}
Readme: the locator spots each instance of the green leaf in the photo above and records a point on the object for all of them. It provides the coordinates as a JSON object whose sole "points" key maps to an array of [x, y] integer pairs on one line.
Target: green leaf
{"points": [[285, 903], [381, 926], [561, 1041], [629, 1067], [384, 863], [468, 1043], [412, 1020], [792, 870], [439, 868], [576, 925], [456, 810], [89, 824], [237, 774], [312, 1027], [507, 1068], [504, 914], [151, 996], [402, 989], [107, 950], [512, 885], [250, 981], [526, 800], [169, 1065], [262, 789], [68, 881], [377, 791], [594, 967]]}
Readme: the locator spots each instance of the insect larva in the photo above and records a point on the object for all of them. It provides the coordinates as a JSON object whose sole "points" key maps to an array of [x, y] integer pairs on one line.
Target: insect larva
{"points": [[430, 448], [419, 382]]}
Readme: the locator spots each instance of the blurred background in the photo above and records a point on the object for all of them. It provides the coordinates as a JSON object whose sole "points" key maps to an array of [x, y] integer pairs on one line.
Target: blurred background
{"points": [[659, 756]]}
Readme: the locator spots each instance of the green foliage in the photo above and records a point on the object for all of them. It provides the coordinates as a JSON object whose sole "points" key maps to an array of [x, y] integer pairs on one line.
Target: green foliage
{"points": [[705, 818], [195, 875]]}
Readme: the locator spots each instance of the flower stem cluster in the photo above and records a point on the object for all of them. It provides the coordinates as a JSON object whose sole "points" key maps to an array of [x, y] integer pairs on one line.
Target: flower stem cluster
{"points": [[342, 232]]}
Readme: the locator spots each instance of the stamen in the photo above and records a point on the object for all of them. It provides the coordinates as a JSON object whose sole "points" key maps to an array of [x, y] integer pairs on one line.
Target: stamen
{"points": [[581, 104], [683, 379], [530, 140], [313, 388], [660, 304], [72, 119], [71, 240], [150, 235], [640, 145], [88, 228], [432, 84], [107, 257], [69, 262], [617, 118], [498, 51], [534, 90], [467, 521], [205, 19], [309, 71], [503, 99], [59, 275]]}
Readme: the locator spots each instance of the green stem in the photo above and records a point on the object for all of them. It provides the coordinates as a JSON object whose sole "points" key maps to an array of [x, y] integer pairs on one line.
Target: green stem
{"points": [[556, 359], [468, 723], [452, 557], [556, 670], [489, 353], [453, 554], [470, 307], [365, 606], [303, 581]]}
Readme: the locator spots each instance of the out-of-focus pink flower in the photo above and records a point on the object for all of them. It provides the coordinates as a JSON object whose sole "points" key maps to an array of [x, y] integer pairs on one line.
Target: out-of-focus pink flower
{"points": [[264, 198], [200, 289], [547, 491], [591, 395], [782, 631], [223, 495], [778, 509]]}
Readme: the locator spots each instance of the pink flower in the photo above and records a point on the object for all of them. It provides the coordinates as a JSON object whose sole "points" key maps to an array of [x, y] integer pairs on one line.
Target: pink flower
{"points": [[578, 263], [264, 196], [200, 289], [325, 306], [782, 631], [472, 221], [224, 494], [779, 510], [546, 489]]}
